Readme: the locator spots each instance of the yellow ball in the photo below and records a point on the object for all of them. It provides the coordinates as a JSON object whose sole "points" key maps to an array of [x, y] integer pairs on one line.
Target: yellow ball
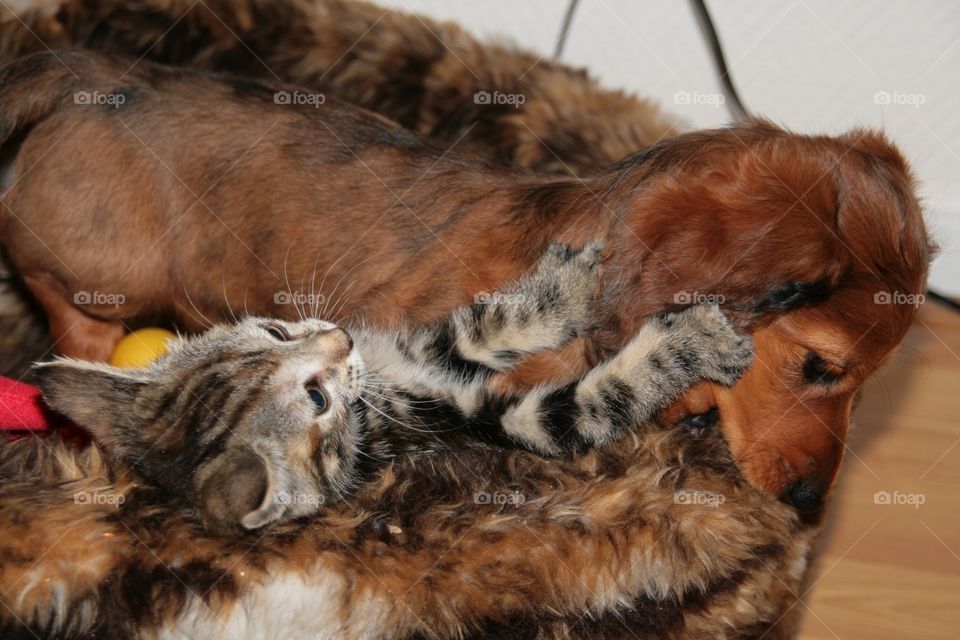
{"points": [[141, 347]]}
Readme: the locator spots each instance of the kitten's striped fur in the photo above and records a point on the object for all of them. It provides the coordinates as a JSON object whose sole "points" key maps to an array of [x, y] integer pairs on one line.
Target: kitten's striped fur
{"points": [[266, 420]]}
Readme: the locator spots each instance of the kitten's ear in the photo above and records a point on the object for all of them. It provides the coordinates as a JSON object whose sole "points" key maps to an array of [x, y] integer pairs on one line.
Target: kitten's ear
{"points": [[94, 395], [235, 490]]}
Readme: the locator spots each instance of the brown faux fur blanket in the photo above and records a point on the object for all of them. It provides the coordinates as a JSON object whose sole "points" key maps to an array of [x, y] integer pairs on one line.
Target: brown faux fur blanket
{"points": [[656, 537], [408, 68]]}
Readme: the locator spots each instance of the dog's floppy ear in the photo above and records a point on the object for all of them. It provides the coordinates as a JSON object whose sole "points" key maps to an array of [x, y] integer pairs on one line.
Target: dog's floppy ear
{"points": [[96, 396]]}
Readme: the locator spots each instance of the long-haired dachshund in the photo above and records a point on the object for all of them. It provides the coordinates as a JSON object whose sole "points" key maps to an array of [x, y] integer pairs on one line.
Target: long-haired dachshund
{"points": [[147, 192]]}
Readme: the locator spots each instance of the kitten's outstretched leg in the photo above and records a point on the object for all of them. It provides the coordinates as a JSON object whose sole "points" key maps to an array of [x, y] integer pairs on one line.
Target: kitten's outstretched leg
{"points": [[543, 310], [667, 355]]}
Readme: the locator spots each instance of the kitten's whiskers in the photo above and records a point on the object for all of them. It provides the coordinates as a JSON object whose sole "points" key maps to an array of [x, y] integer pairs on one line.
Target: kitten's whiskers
{"points": [[286, 279], [403, 424], [207, 323]]}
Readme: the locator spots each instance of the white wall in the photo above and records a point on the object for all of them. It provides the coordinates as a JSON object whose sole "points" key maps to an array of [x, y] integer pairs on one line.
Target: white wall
{"points": [[812, 65]]}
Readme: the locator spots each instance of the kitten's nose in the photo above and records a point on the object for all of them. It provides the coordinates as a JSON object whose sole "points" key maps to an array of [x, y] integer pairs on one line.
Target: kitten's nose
{"points": [[336, 343], [348, 337]]}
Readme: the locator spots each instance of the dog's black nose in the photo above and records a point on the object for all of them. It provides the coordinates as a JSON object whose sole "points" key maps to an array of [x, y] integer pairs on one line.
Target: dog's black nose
{"points": [[804, 495]]}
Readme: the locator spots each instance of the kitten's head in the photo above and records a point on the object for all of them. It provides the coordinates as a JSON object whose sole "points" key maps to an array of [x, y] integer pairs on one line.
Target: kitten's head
{"points": [[252, 423]]}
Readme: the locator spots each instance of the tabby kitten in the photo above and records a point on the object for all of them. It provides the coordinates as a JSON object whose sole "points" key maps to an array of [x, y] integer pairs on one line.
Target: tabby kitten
{"points": [[266, 420]]}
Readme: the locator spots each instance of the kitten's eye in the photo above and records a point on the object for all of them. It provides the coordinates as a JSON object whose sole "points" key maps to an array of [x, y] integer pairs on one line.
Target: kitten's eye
{"points": [[276, 332], [319, 398], [816, 370]]}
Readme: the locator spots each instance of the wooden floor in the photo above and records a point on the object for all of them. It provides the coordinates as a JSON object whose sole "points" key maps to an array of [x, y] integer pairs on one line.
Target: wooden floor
{"points": [[893, 570]]}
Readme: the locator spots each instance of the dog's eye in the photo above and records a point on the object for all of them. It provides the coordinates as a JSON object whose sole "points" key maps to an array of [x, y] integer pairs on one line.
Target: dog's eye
{"points": [[319, 398], [276, 332], [816, 370]]}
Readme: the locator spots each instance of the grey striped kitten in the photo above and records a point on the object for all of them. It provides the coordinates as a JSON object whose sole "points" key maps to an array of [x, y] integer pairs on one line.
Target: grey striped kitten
{"points": [[266, 420]]}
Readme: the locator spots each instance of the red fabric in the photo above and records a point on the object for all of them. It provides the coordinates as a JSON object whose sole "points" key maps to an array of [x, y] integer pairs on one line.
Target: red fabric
{"points": [[22, 412], [21, 407]]}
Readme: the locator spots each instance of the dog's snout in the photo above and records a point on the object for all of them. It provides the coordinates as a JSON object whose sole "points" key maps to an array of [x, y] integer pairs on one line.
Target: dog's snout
{"points": [[805, 495]]}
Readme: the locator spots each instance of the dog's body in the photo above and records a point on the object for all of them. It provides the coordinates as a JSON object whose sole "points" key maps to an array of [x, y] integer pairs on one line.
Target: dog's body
{"points": [[409, 68], [196, 206], [235, 201]]}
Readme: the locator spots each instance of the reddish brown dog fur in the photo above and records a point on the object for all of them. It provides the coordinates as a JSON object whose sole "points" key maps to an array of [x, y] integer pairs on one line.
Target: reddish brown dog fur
{"points": [[796, 234]]}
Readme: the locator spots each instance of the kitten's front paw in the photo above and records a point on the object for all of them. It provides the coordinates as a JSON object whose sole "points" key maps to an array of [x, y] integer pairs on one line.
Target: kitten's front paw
{"points": [[558, 255], [566, 279], [710, 343]]}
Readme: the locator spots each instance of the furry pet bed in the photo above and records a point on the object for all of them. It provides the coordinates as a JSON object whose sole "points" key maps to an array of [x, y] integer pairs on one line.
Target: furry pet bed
{"points": [[656, 536]]}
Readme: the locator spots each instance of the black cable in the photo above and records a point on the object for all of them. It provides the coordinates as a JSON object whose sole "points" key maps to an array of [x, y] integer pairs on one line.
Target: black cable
{"points": [[739, 111], [565, 28]]}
